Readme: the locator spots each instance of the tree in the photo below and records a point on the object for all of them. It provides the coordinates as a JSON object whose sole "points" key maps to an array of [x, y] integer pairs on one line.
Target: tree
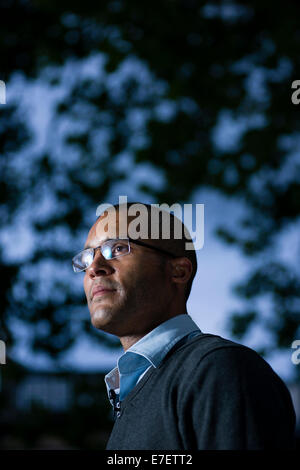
{"points": [[153, 83]]}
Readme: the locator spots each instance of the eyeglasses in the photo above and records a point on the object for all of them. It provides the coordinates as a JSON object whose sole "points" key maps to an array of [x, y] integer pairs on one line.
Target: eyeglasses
{"points": [[110, 249]]}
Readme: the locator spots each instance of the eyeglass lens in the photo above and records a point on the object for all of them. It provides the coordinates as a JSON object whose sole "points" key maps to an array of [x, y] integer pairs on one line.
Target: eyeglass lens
{"points": [[109, 249]]}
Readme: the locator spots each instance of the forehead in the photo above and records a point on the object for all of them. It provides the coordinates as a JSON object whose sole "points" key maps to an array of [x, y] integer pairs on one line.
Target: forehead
{"points": [[111, 224]]}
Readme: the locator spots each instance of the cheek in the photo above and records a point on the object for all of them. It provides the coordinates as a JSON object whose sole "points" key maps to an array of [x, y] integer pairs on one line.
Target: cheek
{"points": [[129, 279], [86, 284], [148, 282]]}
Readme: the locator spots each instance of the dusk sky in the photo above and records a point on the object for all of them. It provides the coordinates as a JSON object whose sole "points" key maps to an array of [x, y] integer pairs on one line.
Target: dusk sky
{"points": [[219, 265]]}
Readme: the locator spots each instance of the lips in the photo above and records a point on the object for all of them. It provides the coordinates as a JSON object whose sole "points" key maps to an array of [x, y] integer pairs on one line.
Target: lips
{"points": [[101, 290]]}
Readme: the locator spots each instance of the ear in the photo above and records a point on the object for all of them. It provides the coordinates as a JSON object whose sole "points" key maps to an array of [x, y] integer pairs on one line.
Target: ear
{"points": [[182, 269]]}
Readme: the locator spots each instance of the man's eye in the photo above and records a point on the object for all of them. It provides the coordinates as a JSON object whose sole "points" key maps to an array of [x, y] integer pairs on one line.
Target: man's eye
{"points": [[119, 249], [87, 257]]}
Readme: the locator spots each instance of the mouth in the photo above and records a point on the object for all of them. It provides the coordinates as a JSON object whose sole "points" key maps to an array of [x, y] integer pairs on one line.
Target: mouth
{"points": [[99, 292]]}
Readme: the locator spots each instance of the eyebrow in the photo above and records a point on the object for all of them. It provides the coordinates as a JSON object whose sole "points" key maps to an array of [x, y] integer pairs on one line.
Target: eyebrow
{"points": [[102, 241], [89, 246], [137, 242]]}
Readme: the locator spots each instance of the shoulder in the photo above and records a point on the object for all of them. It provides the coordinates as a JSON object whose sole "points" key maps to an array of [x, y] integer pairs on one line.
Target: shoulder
{"points": [[233, 392], [206, 344], [209, 356]]}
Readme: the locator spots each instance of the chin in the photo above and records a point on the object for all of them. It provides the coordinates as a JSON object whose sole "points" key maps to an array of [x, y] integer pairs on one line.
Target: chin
{"points": [[103, 319]]}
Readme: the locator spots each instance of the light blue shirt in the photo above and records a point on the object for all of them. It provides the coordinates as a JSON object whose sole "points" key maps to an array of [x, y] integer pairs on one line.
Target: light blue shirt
{"points": [[148, 352]]}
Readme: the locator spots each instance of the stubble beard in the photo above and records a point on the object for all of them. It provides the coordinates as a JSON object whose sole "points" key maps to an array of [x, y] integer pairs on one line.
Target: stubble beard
{"points": [[112, 318], [124, 318]]}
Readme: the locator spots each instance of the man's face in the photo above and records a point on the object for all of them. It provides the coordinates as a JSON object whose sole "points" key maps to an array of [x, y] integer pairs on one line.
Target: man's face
{"points": [[137, 286]]}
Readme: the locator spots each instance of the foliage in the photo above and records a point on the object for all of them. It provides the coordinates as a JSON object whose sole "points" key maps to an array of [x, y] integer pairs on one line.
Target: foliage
{"points": [[146, 88]]}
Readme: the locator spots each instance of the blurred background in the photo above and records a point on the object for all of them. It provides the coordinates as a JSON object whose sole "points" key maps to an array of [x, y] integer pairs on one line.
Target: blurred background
{"points": [[163, 101]]}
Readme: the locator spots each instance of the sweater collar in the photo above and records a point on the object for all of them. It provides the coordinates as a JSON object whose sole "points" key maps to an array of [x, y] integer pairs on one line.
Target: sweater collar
{"points": [[152, 348]]}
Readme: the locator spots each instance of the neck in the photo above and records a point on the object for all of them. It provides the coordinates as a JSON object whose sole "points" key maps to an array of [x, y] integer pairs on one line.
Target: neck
{"points": [[129, 340]]}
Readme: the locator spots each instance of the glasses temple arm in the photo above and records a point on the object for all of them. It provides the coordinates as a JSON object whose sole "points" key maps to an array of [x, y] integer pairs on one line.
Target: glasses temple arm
{"points": [[138, 242]]}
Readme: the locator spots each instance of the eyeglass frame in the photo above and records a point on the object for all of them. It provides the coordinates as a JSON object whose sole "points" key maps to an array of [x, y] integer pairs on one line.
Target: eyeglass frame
{"points": [[130, 240]]}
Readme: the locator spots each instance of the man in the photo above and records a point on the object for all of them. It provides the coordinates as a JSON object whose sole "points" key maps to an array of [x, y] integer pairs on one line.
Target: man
{"points": [[174, 387]]}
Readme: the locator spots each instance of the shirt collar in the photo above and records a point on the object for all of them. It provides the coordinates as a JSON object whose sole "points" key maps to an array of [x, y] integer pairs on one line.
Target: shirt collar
{"points": [[153, 347]]}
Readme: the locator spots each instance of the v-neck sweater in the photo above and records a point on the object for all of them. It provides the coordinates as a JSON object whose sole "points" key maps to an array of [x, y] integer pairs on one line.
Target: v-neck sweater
{"points": [[209, 393]]}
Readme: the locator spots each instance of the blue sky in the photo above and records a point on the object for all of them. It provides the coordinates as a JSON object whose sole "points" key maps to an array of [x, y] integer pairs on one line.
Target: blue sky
{"points": [[210, 302], [219, 265]]}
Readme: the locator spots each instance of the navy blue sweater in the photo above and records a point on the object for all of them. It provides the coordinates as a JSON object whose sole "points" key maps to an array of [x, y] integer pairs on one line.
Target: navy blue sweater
{"points": [[209, 393]]}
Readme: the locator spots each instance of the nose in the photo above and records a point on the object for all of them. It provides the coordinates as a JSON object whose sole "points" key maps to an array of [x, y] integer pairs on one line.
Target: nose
{"points": [[99, 266]]}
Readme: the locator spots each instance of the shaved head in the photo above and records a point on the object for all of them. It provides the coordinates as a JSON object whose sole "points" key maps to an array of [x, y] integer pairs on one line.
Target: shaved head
{"points": [[159, 228]]}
